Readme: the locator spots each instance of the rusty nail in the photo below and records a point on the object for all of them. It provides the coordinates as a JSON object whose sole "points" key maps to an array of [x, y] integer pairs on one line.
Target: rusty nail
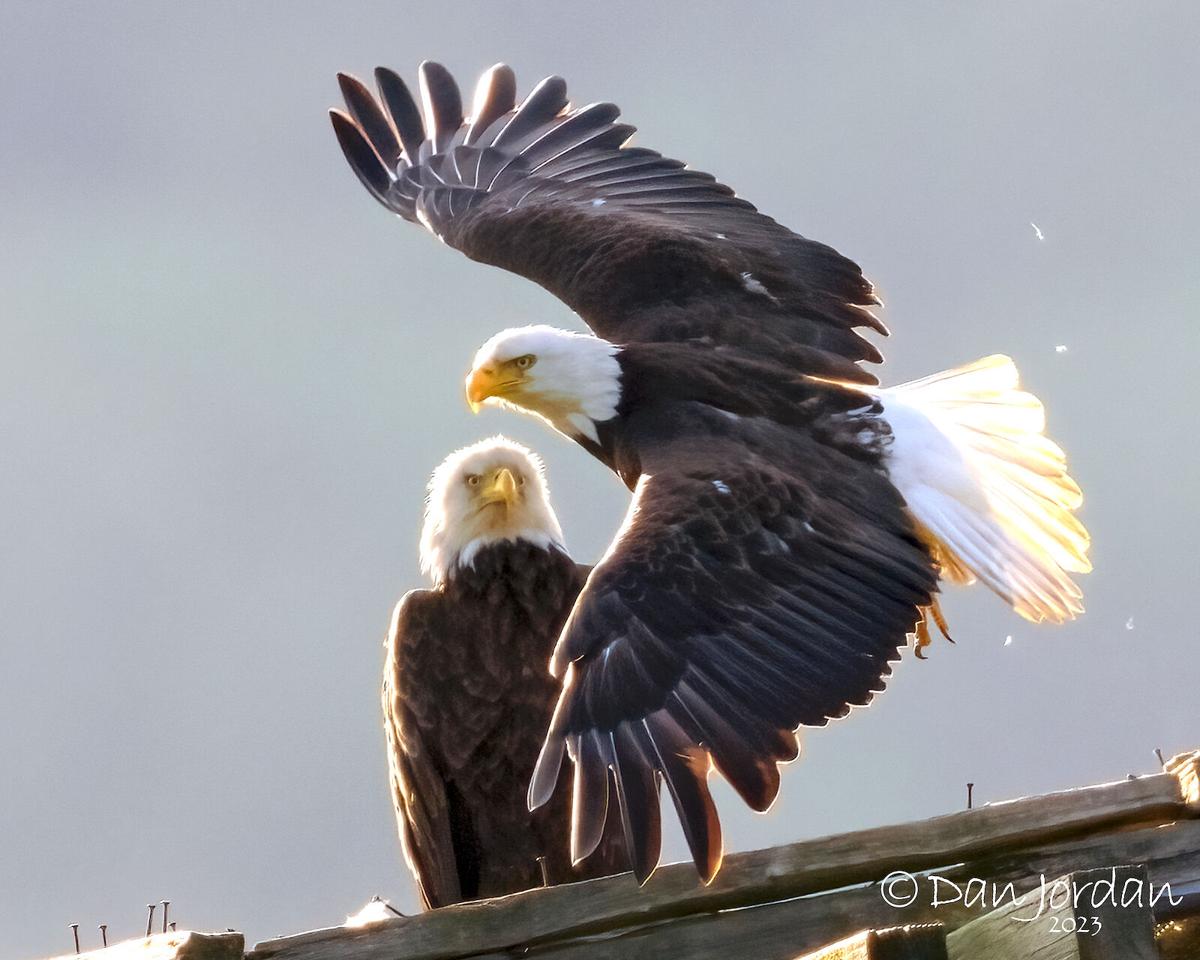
{"points": [[150, 919], [970, 795], [166, 904], [387, 906], [545, 873], [75, 931], [1158, 753], [104, 934]]}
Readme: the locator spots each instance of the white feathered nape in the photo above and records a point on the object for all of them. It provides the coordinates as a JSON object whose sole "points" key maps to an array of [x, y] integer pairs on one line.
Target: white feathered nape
{"points": [[989, 490]]}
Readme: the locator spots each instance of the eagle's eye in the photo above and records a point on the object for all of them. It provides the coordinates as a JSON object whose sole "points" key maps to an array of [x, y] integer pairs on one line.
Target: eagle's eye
{"points": [[525, 362], [472, 479], [520, 480]]}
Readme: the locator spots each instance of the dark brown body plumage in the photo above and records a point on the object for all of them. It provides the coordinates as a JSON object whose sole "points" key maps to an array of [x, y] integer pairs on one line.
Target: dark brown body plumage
{"points": [[467, 698]]}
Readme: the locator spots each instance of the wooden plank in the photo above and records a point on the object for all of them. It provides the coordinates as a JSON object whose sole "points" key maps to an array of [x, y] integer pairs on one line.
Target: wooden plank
{"points": [[1183, 902], [1123, 928], [1179, 939], [211, 946], [1177, 930], [776, 931], [1086, 915], [1185, 767], [781, 930], [1171, 852], [598, 906], [923, 941], [180, 945]]}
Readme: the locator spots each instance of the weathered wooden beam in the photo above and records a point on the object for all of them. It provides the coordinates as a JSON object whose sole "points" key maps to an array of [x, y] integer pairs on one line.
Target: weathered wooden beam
{"points": [[1088, 915], [1179, 939], [1185, 767], [776, 931], [181, 945], [599, 907], [781, 930], [1171, 852], [925, 941], [1184, 901]]}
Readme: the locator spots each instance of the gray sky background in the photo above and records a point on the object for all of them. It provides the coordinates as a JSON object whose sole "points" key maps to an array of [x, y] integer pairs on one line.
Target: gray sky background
{"points": [[225, 374]]}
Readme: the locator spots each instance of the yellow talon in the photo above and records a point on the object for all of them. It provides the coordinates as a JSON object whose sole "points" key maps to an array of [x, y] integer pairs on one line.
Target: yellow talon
{"points": [[933, 611]]}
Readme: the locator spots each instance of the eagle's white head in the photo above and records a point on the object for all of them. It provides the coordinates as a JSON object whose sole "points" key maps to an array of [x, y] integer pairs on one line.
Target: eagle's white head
{"points": [[490, 491], [571, 380]]}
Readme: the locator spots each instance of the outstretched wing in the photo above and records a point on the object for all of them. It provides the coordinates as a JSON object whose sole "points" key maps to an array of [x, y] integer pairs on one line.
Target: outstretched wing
{"points": [[418, 792], [641, 247], [761, 586]]}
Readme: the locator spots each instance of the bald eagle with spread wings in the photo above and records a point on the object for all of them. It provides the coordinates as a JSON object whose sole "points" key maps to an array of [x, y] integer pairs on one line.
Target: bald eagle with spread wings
{"points": [[790, 519]]}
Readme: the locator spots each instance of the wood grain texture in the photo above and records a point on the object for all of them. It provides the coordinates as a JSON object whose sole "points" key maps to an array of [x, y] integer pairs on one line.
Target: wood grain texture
{"points": [[602, 906], [180, 945], [781, 930], [1083, 916], [1186, 768], [1179, 939], [926, 941]]}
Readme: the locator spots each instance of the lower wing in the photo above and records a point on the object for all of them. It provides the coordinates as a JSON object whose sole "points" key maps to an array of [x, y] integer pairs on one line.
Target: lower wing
{"points": [[759, 586]]}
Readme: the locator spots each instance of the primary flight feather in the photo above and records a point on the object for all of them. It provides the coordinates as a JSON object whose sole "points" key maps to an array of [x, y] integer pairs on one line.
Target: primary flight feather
{"points": [[790, 519]]}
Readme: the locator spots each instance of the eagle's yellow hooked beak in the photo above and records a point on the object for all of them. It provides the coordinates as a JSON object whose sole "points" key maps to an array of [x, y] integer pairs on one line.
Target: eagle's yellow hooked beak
{"points": [[485, 382], [481, 384], [502, 489]]}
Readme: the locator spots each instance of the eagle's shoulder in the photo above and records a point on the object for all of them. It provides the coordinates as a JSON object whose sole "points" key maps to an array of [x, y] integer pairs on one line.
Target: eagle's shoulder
{"points": [[412, 618]]}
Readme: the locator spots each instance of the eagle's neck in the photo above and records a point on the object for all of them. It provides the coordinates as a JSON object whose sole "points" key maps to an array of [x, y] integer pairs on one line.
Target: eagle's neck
{"points": [[502, 559], [580, 395], [446, 560]]}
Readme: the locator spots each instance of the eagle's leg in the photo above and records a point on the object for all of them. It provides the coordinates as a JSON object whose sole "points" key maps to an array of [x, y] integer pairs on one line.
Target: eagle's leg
{"points": [[932, 611]]}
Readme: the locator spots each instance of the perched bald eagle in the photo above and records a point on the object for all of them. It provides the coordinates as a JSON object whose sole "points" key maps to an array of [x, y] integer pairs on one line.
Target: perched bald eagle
{"points": [[790, 520], [466, 694]]}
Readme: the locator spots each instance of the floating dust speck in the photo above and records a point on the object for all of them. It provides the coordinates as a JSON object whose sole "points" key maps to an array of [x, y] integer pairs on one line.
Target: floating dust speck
{"points": [[1061, 348], [1008, 640], [1129, 624], [1037, 231]]}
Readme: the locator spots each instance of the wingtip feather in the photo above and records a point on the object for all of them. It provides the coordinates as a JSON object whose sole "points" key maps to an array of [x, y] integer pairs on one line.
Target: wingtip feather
{"points": [[400, 106], [545, 772], [361, 155], [442, 101]]}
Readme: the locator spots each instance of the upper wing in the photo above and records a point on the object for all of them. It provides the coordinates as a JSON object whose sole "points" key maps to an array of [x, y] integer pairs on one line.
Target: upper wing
{"points": [[418, 791], [640, 246], [737, 603]]}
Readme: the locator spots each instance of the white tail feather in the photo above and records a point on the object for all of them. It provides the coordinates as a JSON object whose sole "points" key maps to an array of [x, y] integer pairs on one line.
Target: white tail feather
{"points": [[990, 492]]}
